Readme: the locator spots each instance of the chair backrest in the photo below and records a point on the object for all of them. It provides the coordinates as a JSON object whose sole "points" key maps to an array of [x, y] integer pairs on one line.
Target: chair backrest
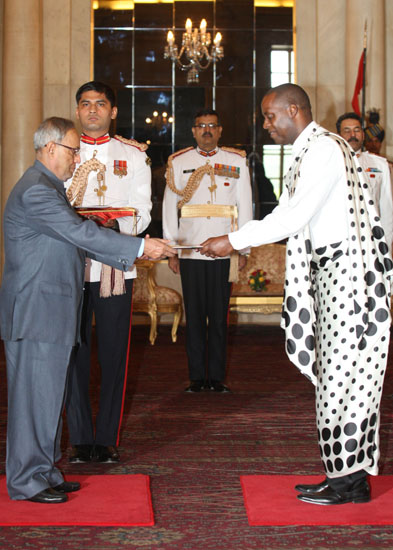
{"points": [[144, 283], [268, 257]]}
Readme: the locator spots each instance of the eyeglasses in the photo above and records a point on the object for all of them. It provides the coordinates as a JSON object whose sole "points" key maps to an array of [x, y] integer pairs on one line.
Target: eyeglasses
{"points": [[356, 130], [210, 125], [75, 150]]}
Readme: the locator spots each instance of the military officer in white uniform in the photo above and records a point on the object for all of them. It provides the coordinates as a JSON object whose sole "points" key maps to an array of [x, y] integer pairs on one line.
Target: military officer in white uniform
{"points": [[121, 180], [204, 184], [376, 170]]}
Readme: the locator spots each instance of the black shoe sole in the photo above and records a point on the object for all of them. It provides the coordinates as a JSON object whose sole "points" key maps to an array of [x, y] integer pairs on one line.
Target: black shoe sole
{"points": [[354, 500]]}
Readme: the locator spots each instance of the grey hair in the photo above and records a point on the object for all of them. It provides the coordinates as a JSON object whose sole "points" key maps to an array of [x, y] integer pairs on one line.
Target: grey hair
{"points": [[51, 129]]}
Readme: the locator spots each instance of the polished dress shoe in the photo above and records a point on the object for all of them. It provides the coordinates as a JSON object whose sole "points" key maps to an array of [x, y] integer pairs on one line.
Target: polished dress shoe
{"points": [[217, 386], [67, 487], [80, 453], [329, 496], [195, 386], [102, 453], [316, 488], [49, 496]]}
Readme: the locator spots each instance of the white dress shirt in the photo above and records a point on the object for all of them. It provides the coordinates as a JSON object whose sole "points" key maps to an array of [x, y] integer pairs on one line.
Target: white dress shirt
{"points": [[319, 200]]}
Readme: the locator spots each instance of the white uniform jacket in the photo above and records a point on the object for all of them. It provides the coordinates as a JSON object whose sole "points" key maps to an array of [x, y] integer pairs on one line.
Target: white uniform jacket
{"points": [[133, 188], [376, 170], [229, 191]]}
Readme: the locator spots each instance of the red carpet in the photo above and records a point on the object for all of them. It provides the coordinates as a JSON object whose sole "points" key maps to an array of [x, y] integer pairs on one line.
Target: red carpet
{"points": [[104, 500], [271, 500]]}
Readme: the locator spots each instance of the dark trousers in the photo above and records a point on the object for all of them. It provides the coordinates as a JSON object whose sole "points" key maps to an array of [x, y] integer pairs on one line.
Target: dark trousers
{"points": [[112, 318], [36, 380], [206, 294]]}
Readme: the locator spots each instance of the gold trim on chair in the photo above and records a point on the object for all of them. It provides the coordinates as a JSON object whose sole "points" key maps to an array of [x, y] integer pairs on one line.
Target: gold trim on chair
{"points": [[148, 303], [270, 258], [154, 300]]}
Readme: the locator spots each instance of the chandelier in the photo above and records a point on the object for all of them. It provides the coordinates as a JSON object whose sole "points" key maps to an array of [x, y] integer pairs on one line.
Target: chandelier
{"points": [[159, 121], [194, 55]]}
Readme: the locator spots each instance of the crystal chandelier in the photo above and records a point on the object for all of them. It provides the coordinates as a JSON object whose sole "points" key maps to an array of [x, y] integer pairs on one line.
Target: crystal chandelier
{"points": [[194, 55], [159, 121]]}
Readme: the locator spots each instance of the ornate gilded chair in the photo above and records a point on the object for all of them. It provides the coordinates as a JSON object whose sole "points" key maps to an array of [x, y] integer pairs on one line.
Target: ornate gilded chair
{"points": [[150, 298], [271, 259]]}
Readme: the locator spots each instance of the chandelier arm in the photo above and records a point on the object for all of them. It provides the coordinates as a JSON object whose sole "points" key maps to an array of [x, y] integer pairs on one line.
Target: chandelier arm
{"points": [[183, 66], [203, 67]]}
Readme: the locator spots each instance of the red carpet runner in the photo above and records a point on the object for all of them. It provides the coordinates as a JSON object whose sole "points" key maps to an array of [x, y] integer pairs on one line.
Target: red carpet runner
{"points": [[103, 500], [271, 500]]}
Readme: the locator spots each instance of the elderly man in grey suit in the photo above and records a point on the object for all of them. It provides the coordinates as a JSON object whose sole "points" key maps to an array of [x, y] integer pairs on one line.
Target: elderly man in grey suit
{"points": [[46, 244]]}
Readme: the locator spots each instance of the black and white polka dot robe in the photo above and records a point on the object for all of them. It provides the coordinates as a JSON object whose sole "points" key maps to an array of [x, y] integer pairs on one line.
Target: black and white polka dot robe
{"points": [[336, 311], [337, 320]]}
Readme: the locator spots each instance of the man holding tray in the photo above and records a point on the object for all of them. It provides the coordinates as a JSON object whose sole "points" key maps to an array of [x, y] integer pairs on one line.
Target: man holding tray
{"points": [[208, 192], [112, 186]]}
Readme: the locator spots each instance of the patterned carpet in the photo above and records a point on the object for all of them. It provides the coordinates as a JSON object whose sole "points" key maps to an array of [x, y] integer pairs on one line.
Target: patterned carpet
{"points": [[195, 446]]}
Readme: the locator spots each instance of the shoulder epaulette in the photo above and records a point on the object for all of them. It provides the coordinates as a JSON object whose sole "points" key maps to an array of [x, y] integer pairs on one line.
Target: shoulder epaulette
{"points": [[178, 153], [240, 152], [141, 146]]}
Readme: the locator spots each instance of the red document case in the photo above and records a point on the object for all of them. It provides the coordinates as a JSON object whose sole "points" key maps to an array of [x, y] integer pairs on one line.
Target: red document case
{"points": [[106, 213]]}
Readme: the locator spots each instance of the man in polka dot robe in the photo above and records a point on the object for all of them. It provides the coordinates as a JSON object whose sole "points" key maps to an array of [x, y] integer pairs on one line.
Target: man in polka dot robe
{"points": [[336, 311]]}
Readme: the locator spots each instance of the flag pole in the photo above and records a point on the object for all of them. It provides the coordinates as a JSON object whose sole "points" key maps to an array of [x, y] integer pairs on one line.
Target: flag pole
{"points": [[364, 75]]}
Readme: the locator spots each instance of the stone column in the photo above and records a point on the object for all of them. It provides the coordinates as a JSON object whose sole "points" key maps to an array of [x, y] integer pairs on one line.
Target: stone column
{"points": [[305, 47], [388, 31], [330, 62], [67, 48], [22, 88]]}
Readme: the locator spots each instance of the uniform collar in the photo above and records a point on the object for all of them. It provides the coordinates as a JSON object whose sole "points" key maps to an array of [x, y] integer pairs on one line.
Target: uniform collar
{"points": [[92, 141], [209, 154]]}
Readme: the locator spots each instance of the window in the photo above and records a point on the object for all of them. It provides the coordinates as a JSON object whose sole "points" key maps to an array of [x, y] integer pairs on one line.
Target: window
{"points": [[276, 158], [129, 42], [281, 65]]}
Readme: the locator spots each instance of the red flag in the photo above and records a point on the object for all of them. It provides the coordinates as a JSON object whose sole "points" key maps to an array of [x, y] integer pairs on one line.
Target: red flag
{"points": [[358, 86]]}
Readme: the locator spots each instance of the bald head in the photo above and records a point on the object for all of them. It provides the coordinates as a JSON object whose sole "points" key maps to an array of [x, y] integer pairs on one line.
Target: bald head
{"points": [[287, 111], [293, 94]]}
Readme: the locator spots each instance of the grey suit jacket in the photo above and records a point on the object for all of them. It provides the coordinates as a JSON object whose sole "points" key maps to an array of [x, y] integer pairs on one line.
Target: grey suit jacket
{"points": [[46, 243]]}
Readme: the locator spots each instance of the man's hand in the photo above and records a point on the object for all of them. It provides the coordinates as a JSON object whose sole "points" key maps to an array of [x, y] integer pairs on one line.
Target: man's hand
{"points": [[109, 223], [112, 224], [217, 247], [174, 264], [157, 249]]}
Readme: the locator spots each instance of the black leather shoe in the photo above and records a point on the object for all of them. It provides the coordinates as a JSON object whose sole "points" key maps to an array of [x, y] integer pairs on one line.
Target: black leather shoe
{"points": [[215, 385], [195, 386], [67, 487], [80, 453], [317, 488], [102, 453], [329, 496], [49, 496]]}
